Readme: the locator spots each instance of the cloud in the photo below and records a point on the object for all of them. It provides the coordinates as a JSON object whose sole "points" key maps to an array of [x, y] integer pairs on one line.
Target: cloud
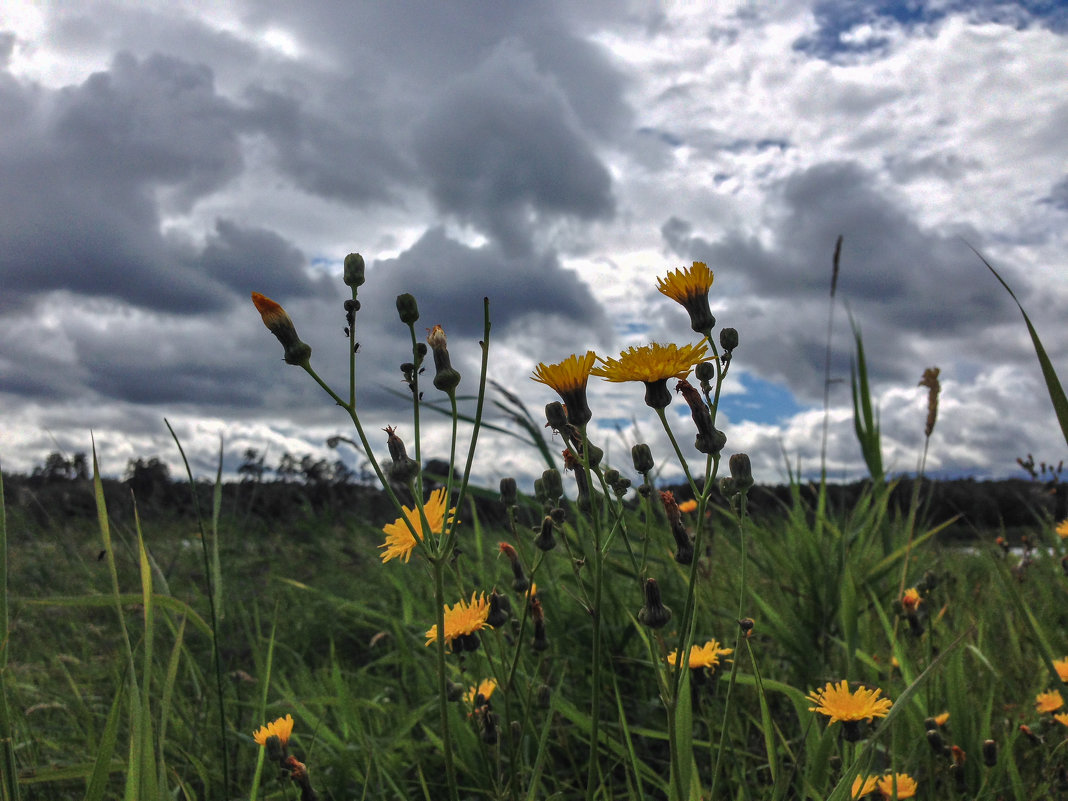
{"points": [[502, 149]]}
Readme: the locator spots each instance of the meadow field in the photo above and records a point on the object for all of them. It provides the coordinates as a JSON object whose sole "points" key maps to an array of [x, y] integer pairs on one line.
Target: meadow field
{"points": [[597, 637]]}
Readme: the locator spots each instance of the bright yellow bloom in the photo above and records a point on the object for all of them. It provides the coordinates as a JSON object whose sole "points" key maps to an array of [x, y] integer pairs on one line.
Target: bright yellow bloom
{"points": [[462, 618], [702, 656], [911, 599], [838, 703], [281, 728], [942, 719], [651, 363], [399, 539], [688, 506], [862, 785], [1062, 529], [1061, 666], [1048, 702], [484, 688], [906, 785], [568, 379], [689, 287], [682, 284], [1062, 718]]}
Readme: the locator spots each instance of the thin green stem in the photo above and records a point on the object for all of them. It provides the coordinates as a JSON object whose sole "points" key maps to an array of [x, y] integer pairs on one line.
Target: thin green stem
{"points": [[438, 565]]}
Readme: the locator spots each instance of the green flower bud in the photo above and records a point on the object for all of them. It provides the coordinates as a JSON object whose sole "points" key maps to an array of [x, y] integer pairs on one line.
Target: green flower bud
{"points": [[354, 270], [407, 308]]}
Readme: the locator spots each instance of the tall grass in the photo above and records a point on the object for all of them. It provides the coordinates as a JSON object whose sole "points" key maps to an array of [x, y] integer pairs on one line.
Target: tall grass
{"points": [[594, 691]]}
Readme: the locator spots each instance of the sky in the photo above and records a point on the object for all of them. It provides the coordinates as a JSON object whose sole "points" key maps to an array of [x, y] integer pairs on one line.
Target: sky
{"points": [[160, 161]]}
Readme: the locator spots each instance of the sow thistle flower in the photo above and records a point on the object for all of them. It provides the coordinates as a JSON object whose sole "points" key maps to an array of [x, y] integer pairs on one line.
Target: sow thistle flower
{"points": [[568, 379], [462, 622], [653, 365], [865, 785], [1062, 529], [702, 656], [484, 688], [689, 287], [1061, 666], [400, 542], [1048, 702], [281, 728], [838, 703]]}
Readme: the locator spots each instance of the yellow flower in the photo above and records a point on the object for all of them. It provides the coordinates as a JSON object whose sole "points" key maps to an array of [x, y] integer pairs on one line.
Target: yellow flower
{"points": [[652, 362], [568, 379], [462, 619], [942, 719], [1062, 529], [399, 539], [688, 506], [484, 688], [906, 785], [706, 655], [653, 365], [1061, 666], [862, 785], [838, 703], [689, 287], [1048, 702], [1062, 718], [911, 599], [281, 728]]}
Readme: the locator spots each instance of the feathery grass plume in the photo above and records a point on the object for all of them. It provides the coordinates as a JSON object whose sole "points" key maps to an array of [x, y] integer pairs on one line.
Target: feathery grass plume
{"points": [[569, 379], [400, 542], [689, 288], [653, 365], [934, 387]]}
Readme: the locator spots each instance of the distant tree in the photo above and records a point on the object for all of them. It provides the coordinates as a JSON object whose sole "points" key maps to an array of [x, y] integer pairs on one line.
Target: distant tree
{"points": [[288, 468], [56, 467], [342, 473], [316, 472], [252, 466], [147, 478], [80, 465]]}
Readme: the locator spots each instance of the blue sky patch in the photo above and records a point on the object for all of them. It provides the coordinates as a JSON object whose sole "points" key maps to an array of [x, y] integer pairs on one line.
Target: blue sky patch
{"points": [[762, 402]]}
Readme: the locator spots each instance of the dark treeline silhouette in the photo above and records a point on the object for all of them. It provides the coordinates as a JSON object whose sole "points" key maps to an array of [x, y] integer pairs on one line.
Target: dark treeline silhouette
{"points": [[304, 488]]}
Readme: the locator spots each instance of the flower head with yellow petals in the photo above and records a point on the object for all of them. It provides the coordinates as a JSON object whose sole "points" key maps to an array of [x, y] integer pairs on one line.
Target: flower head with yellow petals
{"points": [[400, 542], [1048, 702], [863, 785], [838, 703], [568, 379], [703, 656], [462, 622], [1061, 666], [281, 728], [689, 287], [653, 365], [906, 785], [1062, 529], [484, 688]]}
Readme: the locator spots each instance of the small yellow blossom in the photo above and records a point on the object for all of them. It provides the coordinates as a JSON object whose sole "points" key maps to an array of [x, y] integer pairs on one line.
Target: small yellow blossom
{"points": [[1062, 718], [1061, 666], [862, 785], [941, 719], [568, 379], [688, 506], [1062, 529], [838, 703], [689, 287], [906, 785], [399, 539], [911, 599], [702, 656], [462, 618], [484, 688], [281, 728], [1048, 702]]}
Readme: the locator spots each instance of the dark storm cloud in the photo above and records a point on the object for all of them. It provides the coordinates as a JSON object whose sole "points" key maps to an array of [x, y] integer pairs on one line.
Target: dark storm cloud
{"points": [[83, 169], [449, 280], [502, 149], [247, 259], [907, 286]]}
